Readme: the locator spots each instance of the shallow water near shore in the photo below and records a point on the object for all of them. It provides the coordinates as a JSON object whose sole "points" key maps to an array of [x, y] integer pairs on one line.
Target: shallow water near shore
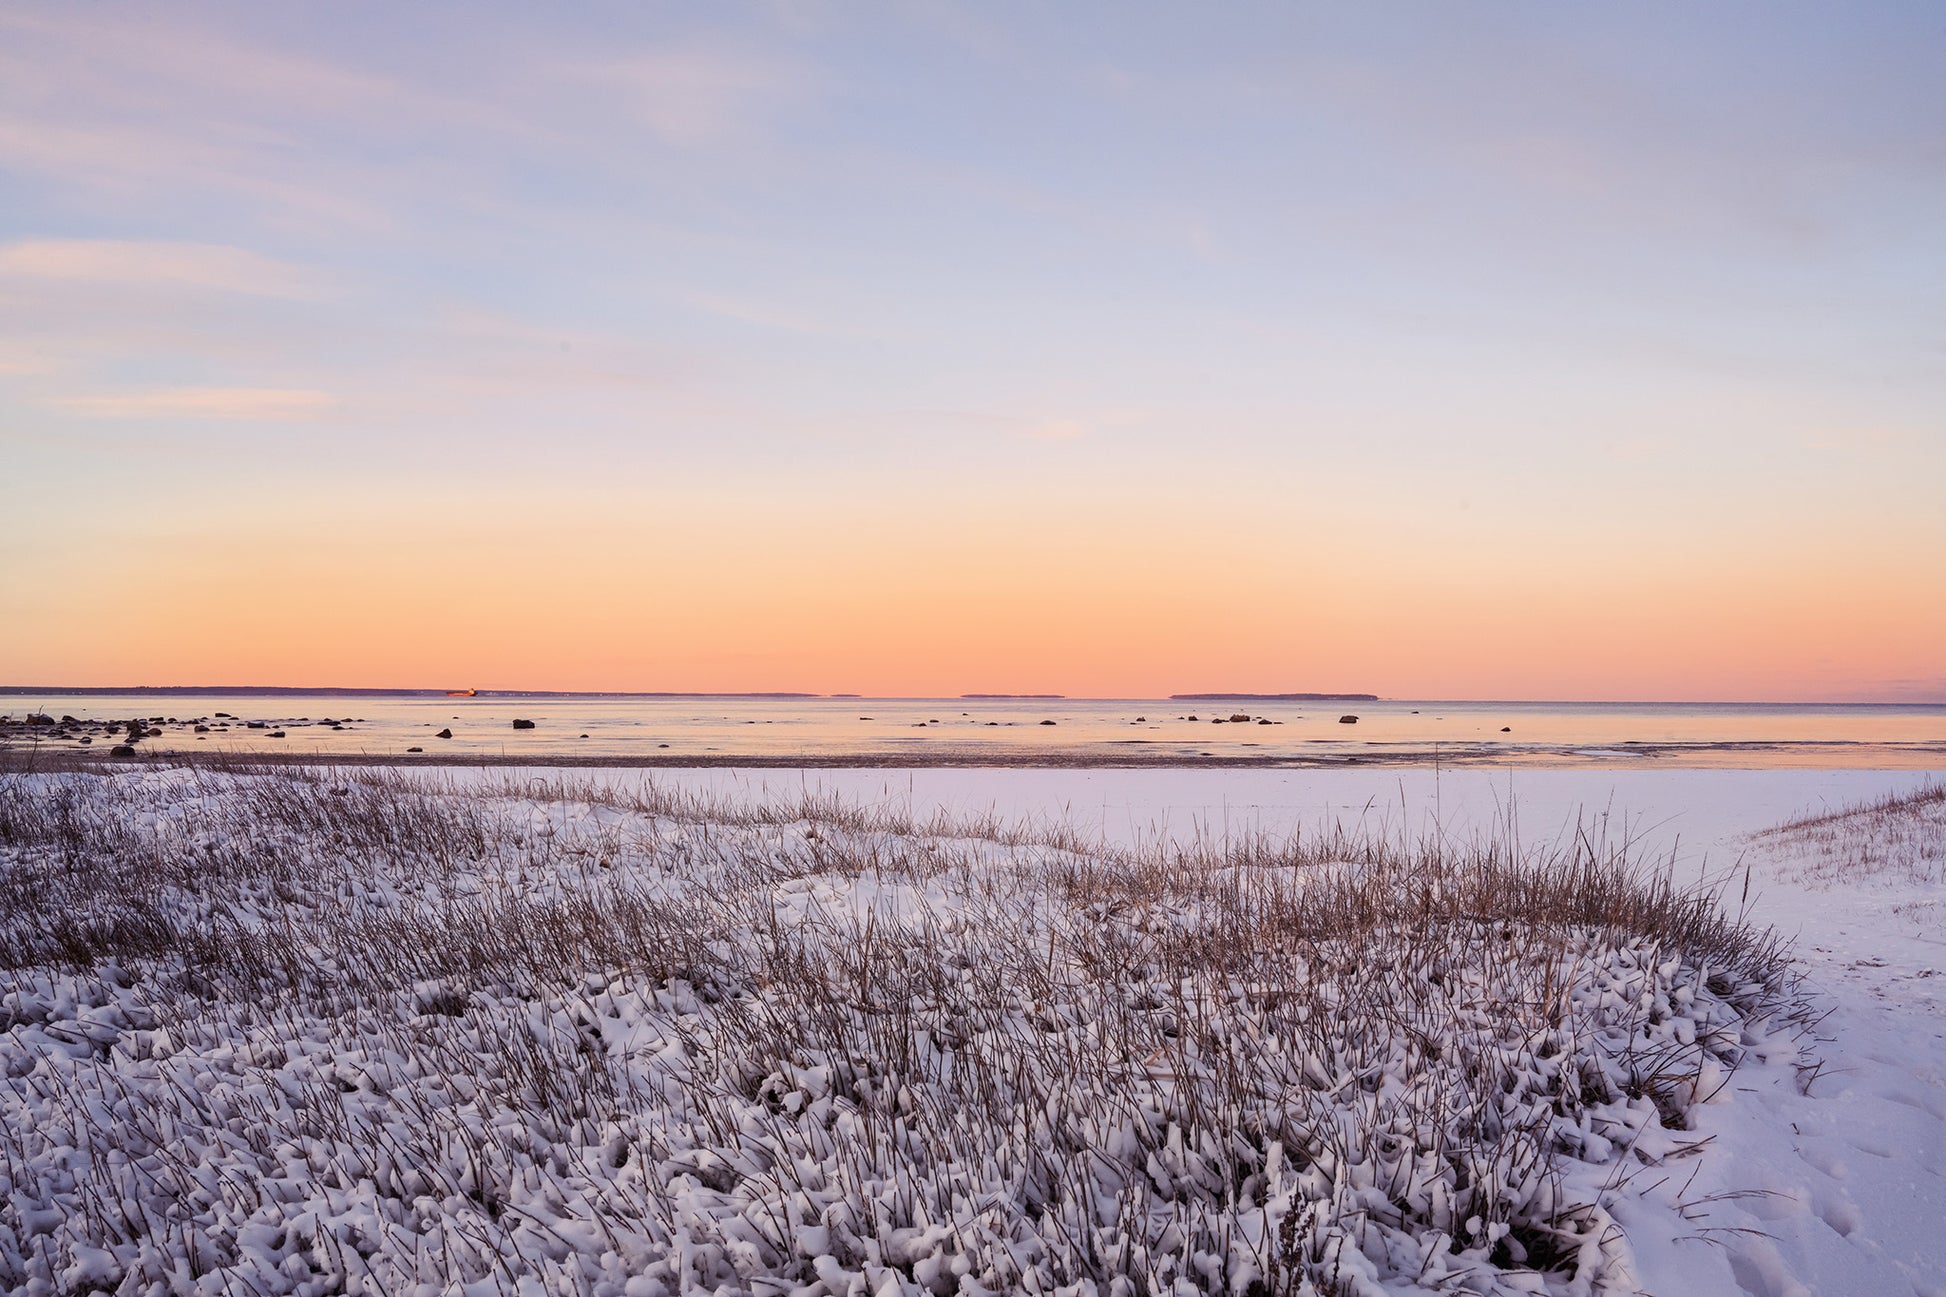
{"points": [[619, 729]]}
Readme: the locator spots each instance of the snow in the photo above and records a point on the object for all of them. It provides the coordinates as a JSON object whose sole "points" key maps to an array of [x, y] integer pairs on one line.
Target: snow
{"points": [[314, 1143]]}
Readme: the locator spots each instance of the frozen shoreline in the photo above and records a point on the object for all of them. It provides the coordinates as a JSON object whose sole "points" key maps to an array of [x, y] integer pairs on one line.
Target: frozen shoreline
{"points": [[832, 733]]}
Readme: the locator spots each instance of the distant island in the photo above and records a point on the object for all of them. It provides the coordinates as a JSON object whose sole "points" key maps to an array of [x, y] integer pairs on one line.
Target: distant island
{"points": [[1005, 697], [1273, 698]]}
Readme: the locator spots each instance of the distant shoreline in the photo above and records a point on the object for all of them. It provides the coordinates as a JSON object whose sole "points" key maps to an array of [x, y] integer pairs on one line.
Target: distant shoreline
{"points": [[342, 691], [1273, 698]]}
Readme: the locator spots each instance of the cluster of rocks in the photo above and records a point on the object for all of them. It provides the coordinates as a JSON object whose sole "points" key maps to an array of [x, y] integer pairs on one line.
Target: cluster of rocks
{"points": [[40, 727]]}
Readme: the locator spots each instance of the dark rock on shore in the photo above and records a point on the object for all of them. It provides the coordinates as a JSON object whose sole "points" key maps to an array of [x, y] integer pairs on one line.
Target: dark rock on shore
{"points": [[444, 734], [121, 750], [523, 725], [1347, 720]]}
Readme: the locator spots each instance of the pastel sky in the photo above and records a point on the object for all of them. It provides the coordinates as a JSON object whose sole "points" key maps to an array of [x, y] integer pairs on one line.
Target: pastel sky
{"points": [[1510, 351]]}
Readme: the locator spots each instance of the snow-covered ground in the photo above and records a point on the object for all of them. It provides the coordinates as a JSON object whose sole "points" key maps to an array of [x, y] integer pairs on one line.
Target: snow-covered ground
{"points": [[602, 973], [1841, 1190]]}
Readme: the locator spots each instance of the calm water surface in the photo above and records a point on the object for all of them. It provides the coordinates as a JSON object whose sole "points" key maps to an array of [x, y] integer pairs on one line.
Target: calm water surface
{"points": [[1004, 732]]}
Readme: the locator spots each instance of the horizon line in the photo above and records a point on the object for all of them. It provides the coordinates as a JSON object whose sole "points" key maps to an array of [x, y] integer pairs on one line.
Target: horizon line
{"points": [[9, 690]]}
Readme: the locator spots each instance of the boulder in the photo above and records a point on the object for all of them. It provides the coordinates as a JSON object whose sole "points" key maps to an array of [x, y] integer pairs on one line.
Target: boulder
{"points": [[1347, 720], [523, 725], [444, 734], [1238, 718], [415, 749], [121, 750]]}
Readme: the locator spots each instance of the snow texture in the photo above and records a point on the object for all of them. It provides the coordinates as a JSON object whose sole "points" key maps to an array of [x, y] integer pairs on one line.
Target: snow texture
{"points": [[293, 1034]]}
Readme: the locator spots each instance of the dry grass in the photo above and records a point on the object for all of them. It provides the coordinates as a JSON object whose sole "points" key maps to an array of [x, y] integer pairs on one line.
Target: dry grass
{"points": [[300, 1031], [1898, 839]]}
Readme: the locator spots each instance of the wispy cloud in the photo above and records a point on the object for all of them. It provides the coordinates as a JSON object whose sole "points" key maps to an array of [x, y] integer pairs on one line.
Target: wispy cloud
{"points": [[765, 314], [1059, 430], [694, 97], [21, 365], [127, 263], [277, 404], [1860, 439], [168, 113]]}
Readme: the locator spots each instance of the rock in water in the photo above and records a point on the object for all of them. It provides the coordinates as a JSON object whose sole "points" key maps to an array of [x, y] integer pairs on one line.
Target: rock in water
{"points": [[444, 734], [1347, 720], [523, 725]]}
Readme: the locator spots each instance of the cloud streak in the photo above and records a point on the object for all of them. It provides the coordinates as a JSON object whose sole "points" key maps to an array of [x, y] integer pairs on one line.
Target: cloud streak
{"points": [[134, 263], [265, 404]]}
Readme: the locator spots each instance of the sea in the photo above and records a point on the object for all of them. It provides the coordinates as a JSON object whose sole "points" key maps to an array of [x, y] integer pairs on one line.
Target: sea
{"points": [[612, 729]]}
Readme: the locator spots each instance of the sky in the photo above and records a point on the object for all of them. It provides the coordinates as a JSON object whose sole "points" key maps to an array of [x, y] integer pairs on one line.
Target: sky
{"points": [[1483, 351]]}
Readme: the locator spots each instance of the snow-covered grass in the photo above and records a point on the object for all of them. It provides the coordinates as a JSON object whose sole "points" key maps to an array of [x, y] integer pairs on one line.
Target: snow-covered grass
{"points": [[1897, 839], [277, 1031]]}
